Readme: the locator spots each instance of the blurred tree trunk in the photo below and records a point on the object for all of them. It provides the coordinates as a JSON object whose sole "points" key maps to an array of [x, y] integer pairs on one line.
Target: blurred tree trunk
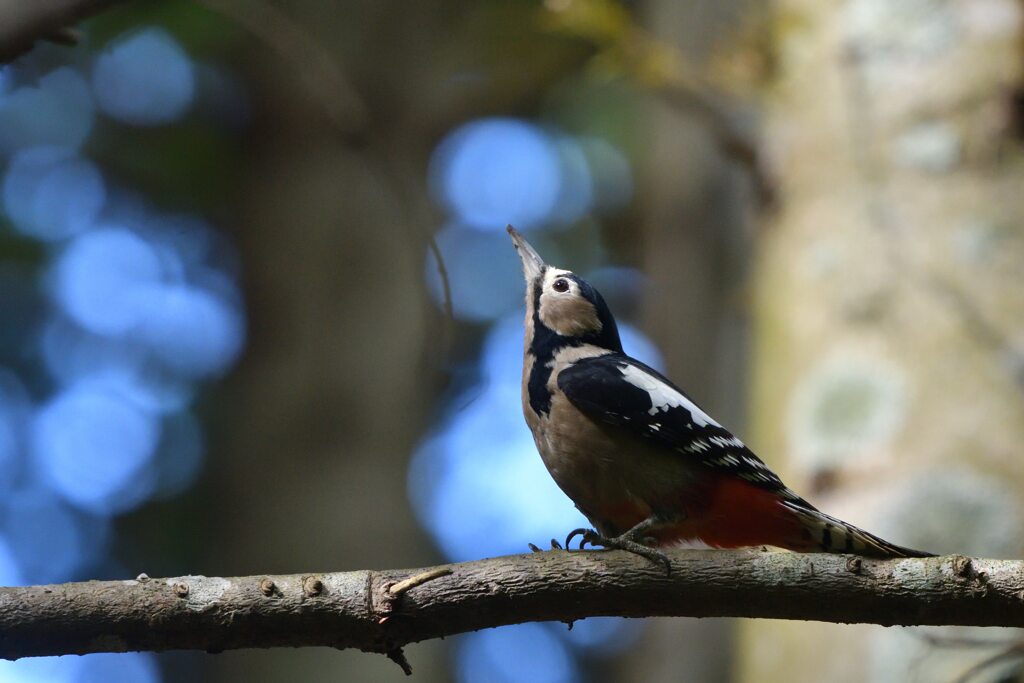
{"points": [[344, 369], [889, 343], [696, 226], [335, 388]]}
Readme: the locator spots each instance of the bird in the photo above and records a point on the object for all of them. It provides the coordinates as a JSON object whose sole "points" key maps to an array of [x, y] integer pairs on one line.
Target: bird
{"points": [[646, 465]]}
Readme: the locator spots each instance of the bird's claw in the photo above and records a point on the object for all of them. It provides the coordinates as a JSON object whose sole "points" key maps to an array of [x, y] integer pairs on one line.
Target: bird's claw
{"points": [[555, 545], [586, 536]]}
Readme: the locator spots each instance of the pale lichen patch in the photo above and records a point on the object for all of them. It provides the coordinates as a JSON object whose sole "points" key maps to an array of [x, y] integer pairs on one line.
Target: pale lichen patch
{"points": [[343, 583], [910, 573]]}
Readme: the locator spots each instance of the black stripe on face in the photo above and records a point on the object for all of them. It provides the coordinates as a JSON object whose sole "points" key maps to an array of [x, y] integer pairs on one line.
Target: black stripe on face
{"points": [[538, 286], [543, 346]]}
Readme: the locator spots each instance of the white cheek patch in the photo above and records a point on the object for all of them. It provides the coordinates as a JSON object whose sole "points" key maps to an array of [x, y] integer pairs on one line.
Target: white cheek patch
{"points": [[663, 396], [567, 313]]}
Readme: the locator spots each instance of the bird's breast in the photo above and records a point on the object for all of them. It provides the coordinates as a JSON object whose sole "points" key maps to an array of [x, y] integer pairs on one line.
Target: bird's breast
{"points": [[615, 477]]}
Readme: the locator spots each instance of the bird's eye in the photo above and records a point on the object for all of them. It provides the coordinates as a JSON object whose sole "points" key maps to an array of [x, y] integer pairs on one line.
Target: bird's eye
{"points": [[560, 285]]}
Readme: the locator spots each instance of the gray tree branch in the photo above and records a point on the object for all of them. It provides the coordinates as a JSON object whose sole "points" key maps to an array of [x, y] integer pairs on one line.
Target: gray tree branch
{"points": [[23, 22], [380, 611]]}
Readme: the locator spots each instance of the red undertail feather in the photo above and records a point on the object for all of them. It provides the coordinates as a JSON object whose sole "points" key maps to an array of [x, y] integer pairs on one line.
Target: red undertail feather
{"points": [[740, 514]]}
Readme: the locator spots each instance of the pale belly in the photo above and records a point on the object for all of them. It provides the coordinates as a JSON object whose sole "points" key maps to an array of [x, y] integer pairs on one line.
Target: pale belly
{"points": [[616, 480]]}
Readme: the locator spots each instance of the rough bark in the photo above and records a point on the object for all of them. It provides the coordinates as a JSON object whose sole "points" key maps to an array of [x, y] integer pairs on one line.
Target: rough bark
{"points": [[380, 611], [23, 23]]}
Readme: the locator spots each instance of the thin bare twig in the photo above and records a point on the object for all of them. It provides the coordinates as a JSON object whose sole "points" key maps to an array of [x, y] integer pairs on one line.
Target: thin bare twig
{"points": [[1015, 651], [23, 23], [418, 580], [665, 72], [734, 143], [322, 78], [978, 326], [325, 83], [963, 642], [442, 272]]}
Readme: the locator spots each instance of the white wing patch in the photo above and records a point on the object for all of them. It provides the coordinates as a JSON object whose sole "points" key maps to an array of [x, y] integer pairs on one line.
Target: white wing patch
{"points": [[726, 442], [755, 463], [663, 396]]}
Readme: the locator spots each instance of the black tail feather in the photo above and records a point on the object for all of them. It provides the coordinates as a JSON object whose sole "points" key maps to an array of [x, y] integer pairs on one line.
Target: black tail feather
{"points": [[825, 533]]}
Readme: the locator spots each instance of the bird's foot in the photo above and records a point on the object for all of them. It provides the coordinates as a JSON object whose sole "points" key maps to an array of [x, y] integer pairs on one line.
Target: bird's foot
{"points": [[623, 542]]}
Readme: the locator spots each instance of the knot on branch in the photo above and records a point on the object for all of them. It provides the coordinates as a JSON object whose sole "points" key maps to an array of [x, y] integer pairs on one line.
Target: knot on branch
{"points": [[312, 586], [391, 594], [966, 572], [964, 568]]}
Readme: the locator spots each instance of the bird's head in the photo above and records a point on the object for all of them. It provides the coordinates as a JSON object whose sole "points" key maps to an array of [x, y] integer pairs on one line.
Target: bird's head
{"points": [[561, 307]]}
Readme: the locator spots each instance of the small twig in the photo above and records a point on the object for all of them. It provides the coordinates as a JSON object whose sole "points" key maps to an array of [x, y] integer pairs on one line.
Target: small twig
{"points": [[320, 75], [733, 142], [974, 321], [23, 23], [418, 580], [442, 271], [326, 84], [666, 72], [64, 35], [962, 642], [1016, 650], [978, 326], [398, 657]]}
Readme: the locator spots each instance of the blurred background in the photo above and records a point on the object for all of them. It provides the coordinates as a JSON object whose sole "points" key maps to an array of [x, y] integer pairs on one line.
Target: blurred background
{"points": [[258, 311]]}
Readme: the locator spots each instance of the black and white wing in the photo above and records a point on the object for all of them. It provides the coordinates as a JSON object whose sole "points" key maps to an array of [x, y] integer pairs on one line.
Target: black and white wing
{"points": [[619, 390]]}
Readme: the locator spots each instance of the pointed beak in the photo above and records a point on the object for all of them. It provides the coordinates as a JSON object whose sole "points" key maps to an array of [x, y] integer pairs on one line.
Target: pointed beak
{"points": [[533, 264]]}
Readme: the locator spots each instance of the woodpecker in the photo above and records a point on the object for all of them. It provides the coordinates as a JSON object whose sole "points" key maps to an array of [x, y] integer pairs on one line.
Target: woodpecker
{"points": [[641, 460]]}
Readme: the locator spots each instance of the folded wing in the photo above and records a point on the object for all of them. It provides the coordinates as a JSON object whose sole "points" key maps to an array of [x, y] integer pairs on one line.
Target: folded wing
{"points": [[619, 390]]}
